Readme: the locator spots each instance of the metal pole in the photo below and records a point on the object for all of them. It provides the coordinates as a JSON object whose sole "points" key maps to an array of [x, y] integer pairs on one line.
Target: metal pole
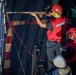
{"points": [[2, 33], [42, 13], [0, 40]]}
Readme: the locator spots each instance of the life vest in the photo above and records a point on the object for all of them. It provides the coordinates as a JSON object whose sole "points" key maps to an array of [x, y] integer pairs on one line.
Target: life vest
{"points": [[59, 25], [73, 45]]}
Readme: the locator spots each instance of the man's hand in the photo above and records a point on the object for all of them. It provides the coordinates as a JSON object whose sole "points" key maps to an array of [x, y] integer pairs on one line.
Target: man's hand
{"points": [[33, 14], [49, 14], [63, 49]]}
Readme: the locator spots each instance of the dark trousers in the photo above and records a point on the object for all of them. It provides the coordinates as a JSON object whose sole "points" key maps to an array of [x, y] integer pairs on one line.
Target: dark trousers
{"points": [[53, 49]]}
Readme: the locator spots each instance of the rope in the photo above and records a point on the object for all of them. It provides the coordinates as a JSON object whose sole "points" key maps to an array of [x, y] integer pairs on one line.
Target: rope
{"points": [[23, 43], [17, 51], [19, 58]]}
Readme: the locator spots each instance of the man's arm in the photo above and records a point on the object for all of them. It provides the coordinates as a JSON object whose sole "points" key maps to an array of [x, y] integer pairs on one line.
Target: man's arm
{"points": [[42, 25]]}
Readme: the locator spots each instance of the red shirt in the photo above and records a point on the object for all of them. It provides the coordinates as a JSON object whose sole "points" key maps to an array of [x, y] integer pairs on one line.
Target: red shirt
{"points": [[59, 26]]}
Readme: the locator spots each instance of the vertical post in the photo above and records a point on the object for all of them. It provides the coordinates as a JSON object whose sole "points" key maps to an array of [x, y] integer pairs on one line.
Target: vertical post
{"points": [[1, 36], [0, 42], [2, 32], [36, 53], [34, 60], [6, 51]]}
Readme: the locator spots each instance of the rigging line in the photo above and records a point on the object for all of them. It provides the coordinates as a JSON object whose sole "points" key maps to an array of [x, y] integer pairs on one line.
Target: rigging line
{"points": [[23, 43], [25, 46], [19, 58], [18, 52]]}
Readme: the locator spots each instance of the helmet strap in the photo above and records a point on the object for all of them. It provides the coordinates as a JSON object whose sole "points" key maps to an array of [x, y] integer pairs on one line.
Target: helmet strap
{"points": [[57, 15]]}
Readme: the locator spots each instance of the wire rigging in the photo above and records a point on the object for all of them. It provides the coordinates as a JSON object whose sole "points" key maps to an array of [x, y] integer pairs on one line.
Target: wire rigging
{"points": [[19, 58], [10, 24], [17, 51]]}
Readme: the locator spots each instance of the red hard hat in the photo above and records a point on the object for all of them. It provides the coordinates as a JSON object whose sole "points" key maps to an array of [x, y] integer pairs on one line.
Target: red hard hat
{"points": [[72, 32], [56, 8]]}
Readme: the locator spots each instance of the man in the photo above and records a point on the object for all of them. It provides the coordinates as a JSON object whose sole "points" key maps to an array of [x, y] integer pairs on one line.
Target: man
{"points": [[55, 29], [69, 51], [61, 67]]}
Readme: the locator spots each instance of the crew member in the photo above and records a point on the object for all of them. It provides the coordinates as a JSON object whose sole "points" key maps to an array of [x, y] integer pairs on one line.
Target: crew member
{"points": [[69, 51], [55, 30], [61, 67]]}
